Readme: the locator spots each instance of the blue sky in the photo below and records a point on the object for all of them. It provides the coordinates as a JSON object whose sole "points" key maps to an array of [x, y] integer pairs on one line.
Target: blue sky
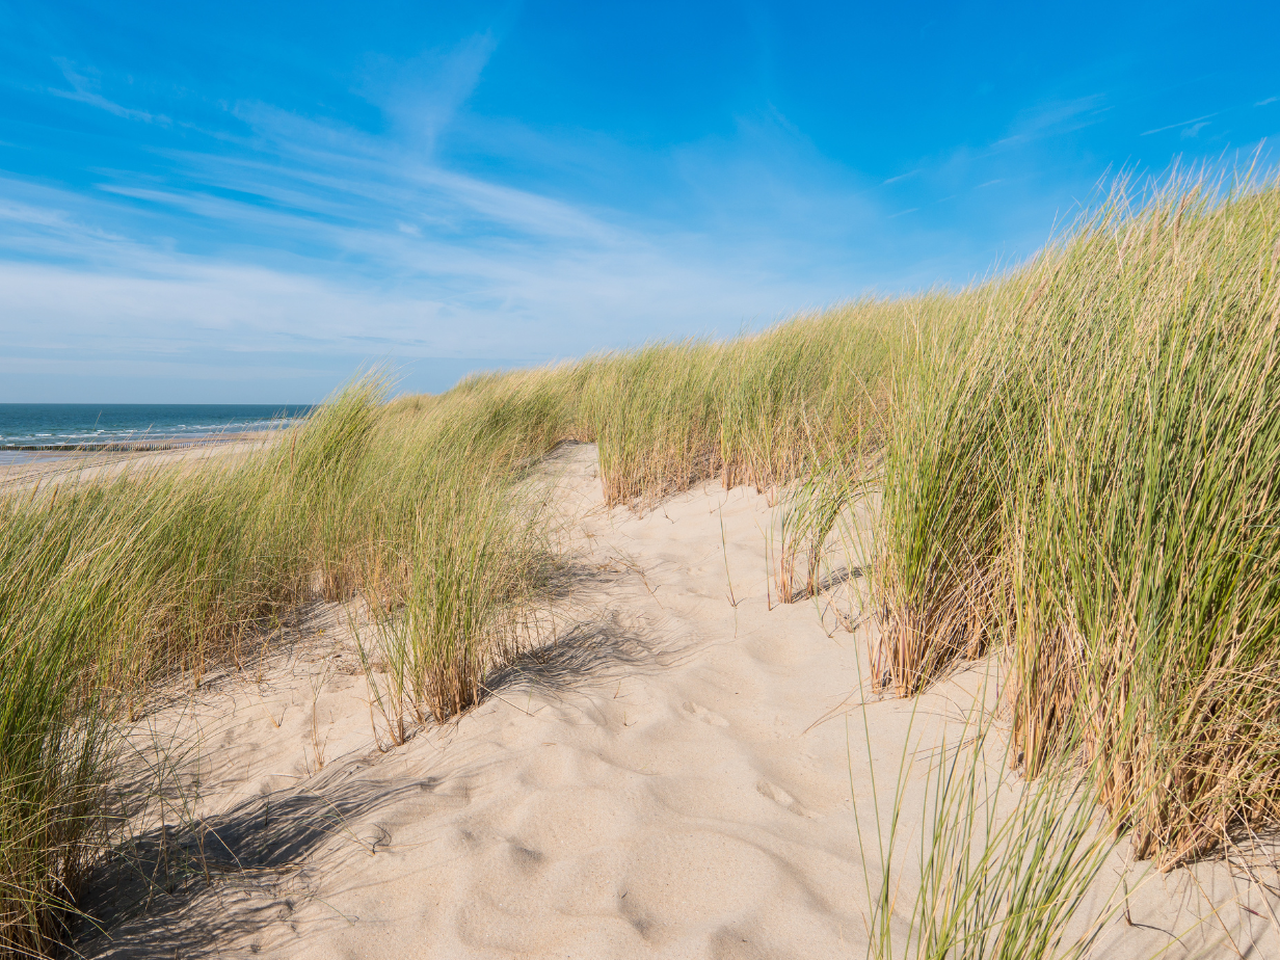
{"points": [[248, 201]]}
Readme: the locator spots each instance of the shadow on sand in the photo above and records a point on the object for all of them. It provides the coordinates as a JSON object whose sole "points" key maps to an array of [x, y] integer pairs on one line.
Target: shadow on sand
{"points": [[198, 887]]}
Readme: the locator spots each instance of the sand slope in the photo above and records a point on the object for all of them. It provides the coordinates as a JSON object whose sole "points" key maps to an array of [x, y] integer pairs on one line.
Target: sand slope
{"points": [[673, 776]]}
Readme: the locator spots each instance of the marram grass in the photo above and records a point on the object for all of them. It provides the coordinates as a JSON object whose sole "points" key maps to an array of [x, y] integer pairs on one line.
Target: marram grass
{"points": [[1082, 469], [996, 866]]}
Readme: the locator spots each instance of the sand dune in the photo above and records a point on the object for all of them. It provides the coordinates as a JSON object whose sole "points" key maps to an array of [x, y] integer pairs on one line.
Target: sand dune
{"points": [[673, 776]]}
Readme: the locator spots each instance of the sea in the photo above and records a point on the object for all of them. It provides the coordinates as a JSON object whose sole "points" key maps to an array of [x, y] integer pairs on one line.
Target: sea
{"points": [[35, 430]]}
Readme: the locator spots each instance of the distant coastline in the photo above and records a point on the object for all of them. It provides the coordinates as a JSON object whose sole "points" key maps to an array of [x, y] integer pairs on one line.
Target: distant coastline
{"points": [[130, 446], [30, 430], [34, 453]]}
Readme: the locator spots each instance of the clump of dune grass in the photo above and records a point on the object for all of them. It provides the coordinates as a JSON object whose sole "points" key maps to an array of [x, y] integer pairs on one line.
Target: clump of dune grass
{"points": [[1082, 469], [1002, 865], [960, 395], [1147, 600], [462, 553], [754, 410], [49, 775]]}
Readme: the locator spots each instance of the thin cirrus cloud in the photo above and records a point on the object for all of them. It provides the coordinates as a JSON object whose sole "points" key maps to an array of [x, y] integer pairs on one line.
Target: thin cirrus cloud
{"points": [[1196, 123], [84, 90]]}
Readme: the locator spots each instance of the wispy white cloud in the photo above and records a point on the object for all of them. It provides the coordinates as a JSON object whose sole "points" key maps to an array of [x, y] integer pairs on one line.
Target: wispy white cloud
{"points": [[84, 89], [1055, 117], [1182, 123], [423, 95], [901, 176]]}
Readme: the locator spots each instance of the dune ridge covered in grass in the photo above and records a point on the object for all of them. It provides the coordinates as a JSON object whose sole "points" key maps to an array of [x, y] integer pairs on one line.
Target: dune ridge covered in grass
{"points": [[1083, 472], [1077, 465]]}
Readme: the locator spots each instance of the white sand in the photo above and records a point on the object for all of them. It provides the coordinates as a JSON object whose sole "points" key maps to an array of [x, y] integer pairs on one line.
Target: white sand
{"points": [[673, 777]]}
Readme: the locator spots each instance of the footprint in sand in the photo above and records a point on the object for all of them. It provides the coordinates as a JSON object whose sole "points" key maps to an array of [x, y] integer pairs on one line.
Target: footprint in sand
{"points": [[698, 712], [771, 791]]}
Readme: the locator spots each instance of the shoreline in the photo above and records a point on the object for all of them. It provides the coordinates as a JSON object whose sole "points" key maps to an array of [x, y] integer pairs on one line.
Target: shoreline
{"points": [[20, 466], [148, 445]]}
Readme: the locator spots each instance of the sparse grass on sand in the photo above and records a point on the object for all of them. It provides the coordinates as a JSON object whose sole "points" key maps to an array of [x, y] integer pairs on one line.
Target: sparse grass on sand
{"points": [[1078, 463]]}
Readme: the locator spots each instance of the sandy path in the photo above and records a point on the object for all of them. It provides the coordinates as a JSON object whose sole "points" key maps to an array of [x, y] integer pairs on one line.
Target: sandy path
{"points": [[670, 778]]}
